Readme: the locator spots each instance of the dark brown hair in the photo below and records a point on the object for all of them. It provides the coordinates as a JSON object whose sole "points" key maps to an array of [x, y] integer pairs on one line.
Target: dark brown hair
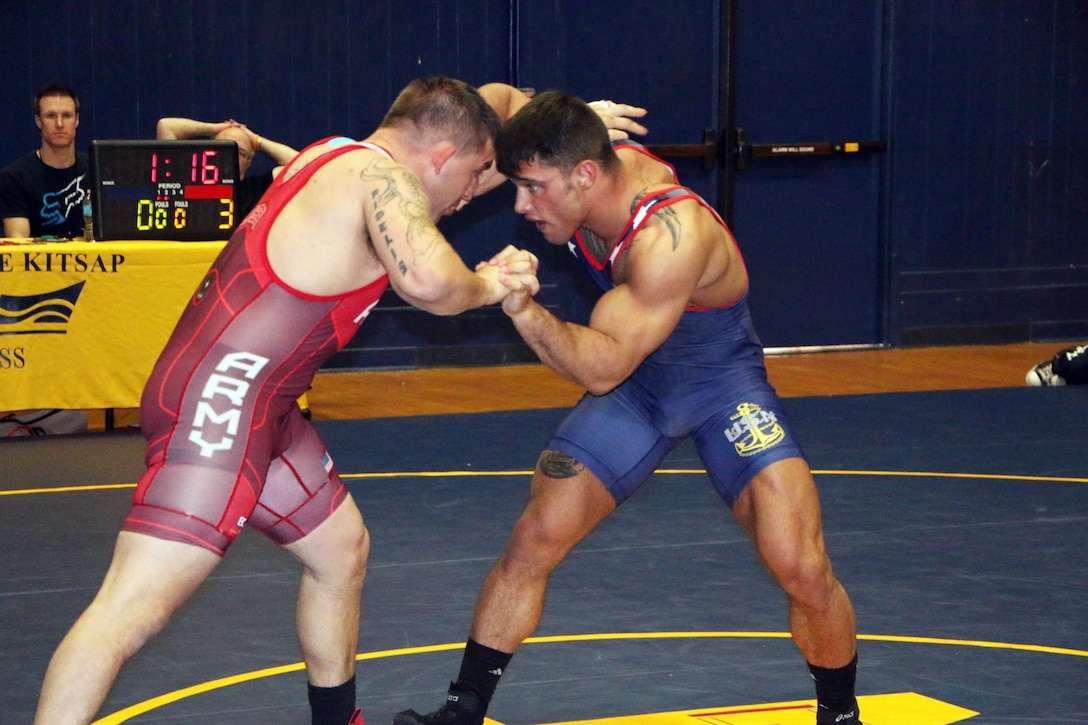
{"points": [[53, 89], [556, 129], [449, 106]]}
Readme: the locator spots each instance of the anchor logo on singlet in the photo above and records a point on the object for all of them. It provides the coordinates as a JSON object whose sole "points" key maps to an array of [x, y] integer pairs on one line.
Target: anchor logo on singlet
{"points": [[224, 385], [754, 430]]}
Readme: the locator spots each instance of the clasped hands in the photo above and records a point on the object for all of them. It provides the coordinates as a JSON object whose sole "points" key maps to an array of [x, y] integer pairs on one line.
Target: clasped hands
{"points": [[515, 270], [220, 126]]}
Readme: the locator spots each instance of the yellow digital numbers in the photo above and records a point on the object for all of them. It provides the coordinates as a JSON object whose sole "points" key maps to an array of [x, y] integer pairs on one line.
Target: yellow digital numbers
{"points": [[227, 214]]}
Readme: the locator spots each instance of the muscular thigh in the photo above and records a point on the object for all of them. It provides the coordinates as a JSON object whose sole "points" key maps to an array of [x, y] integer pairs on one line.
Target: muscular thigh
{"points": [[780, 509], [566, 502]]}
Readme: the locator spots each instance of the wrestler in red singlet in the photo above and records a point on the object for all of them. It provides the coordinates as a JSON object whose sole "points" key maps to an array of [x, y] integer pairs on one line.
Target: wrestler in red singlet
{"points": [[227, 443]]}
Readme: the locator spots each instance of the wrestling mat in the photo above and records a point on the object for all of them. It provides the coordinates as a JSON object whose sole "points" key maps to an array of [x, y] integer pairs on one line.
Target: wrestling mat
{"points": [[956, 520]]}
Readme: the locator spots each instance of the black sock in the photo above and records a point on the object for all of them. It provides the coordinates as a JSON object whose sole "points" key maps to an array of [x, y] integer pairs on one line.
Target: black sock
{"points": [[332, 705], [835, 687], [481, 668]]}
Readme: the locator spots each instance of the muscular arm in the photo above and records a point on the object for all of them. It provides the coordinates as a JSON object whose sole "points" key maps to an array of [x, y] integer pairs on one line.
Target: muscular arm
{"points": [[628, 322], [506, 100], [423, 268], [618, 118]]}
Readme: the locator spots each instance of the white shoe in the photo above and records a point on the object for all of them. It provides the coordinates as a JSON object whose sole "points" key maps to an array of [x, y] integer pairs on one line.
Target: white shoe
{"points": [[1043, 375]]}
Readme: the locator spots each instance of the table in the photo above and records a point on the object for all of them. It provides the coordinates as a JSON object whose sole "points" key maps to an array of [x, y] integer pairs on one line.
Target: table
{"points": [[82, 323]]}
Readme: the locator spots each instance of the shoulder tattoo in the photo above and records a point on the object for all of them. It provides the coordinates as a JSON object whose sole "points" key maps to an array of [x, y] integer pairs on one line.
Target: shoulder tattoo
{"points": [[672, 222], [668, 217]]}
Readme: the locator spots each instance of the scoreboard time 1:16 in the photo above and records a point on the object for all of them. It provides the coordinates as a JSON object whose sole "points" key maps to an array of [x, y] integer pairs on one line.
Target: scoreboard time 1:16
{"points": [[171, 190]]}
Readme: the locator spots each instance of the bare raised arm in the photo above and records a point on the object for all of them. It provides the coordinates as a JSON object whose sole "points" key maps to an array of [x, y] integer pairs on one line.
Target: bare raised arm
{"points": [[618, 118], [505, 99], [173, 127], [281, 153]]}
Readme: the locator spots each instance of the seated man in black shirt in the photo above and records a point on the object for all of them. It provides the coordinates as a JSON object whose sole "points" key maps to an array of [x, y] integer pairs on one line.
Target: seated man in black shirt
{"points": [[42, 193]]}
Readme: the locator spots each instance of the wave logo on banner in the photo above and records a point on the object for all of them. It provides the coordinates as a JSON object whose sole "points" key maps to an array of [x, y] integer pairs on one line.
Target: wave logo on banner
{"points": [[46, 314]]}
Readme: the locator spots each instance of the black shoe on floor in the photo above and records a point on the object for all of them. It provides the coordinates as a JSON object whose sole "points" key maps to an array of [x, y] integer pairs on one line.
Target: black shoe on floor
{"points": [[461, 708]]}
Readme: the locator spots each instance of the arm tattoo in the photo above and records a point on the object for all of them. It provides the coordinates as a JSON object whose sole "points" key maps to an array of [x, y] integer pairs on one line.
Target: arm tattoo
{"points": [[595, 244], [667, 215], [554, 464], [394, 189], [672, 223]]}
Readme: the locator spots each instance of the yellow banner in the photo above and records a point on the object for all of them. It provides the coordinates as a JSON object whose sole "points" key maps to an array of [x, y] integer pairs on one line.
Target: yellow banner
{"points": [[82, 323]]}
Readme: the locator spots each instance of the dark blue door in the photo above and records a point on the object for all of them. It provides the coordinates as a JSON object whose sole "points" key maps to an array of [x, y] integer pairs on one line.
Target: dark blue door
{"points": [[810, 224]]}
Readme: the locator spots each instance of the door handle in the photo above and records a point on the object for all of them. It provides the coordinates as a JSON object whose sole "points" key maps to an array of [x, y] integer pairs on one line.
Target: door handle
{"points": [[707, 150], [746, 151]]}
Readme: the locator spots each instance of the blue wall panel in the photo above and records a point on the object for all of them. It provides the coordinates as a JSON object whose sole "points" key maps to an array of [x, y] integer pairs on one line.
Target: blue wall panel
{"points": [[294, 71], [989, 180], [984, 104]]}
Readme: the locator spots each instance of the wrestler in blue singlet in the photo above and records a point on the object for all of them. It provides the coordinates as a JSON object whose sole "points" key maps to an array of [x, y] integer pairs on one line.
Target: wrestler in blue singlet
{"points": [[706, 381]]}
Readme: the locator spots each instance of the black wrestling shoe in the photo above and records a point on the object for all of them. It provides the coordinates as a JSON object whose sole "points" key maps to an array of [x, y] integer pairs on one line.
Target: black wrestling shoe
{"points": [[826, 717], [461, 708]]}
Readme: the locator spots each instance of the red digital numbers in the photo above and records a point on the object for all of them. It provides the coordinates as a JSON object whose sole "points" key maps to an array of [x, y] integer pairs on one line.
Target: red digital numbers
{"points": [[202, 168], [209, 172]]}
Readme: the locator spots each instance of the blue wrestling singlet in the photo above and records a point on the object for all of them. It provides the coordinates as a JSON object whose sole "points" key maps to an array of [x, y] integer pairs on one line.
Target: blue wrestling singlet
{"points": [[706, 381]]}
